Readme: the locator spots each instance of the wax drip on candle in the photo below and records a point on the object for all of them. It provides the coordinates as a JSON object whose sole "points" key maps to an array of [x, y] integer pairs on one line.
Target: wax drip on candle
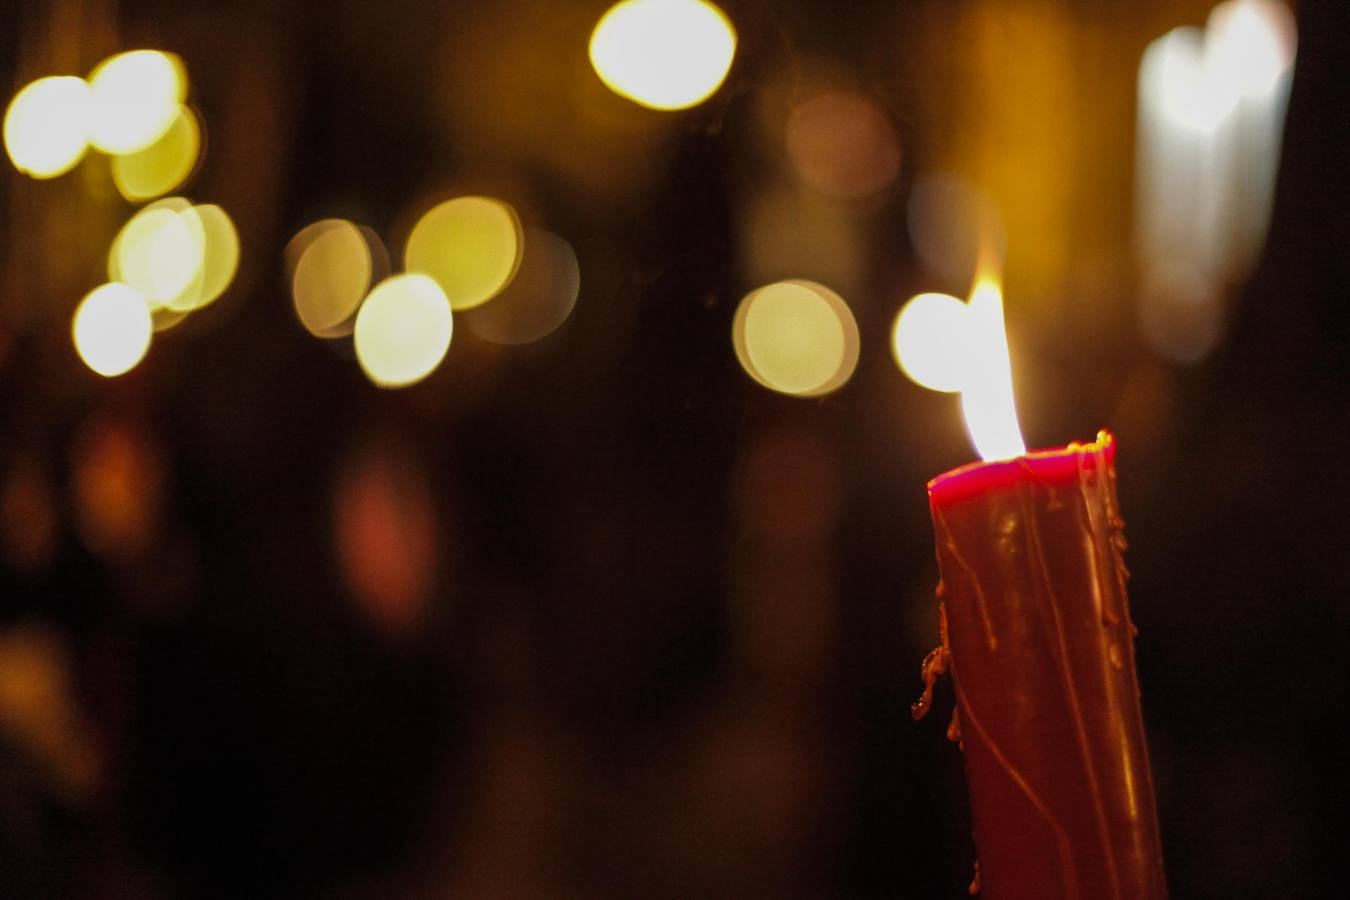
{"points": [[954, 728], [934, 666], [974, 887]]}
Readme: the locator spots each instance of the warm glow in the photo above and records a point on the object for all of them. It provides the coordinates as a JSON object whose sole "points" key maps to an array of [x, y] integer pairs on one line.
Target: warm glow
{"points": [[950, 222], [946, 345], [162, 166], [112, 329], [663, 54], [136, 96], [470, 246], [796, 337], [220, 256], [538, 300], [179, 256], [47, 126], [929, 341], [1193, 95], [386, 536], [332, 266], [843, 145], [159, 252], [403, 330], [1251, 44]]}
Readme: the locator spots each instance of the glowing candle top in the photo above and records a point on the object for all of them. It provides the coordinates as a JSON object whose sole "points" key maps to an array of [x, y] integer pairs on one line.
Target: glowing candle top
{"points": [[1057, 466]]}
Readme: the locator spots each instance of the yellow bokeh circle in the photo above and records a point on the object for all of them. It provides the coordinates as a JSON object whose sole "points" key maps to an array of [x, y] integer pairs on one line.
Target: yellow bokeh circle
{"points": [[47, 126], [112, 329], [796, 337], [470, 246], [403, 330]]}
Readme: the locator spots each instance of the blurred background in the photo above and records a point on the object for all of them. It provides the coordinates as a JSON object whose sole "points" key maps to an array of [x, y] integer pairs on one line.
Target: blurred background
{"points": [[615, 582]]}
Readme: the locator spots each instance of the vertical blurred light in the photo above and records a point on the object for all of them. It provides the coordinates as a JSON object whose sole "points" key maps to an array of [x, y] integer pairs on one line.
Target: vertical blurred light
{"points": [[1254, 44], [162, 166], [112, 329], [136, 96], [1211, 113], [663, 54], [796, 337], [843, 145], [1180, 312], [403, 330], [470, 246], [538, 300], [332, 264], [47, 126]]}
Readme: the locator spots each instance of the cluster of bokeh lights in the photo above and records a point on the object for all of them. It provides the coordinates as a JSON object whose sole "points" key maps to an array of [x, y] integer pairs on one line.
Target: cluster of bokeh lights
{"points": [[171, 257], [472, 256], [466, 255], [131, 107]]}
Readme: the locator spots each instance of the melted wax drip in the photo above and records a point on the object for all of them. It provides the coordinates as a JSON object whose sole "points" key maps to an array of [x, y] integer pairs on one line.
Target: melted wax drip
{"points": [[954, 728], [934, 667]]}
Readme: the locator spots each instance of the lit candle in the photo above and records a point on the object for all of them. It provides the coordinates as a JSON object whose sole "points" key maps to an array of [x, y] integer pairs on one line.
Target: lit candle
{"points": [[1036, 633]]}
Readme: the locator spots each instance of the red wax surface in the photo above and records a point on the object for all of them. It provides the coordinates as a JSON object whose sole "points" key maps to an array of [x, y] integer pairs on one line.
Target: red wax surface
{"points": [[1041, 653], [1060, 464]]}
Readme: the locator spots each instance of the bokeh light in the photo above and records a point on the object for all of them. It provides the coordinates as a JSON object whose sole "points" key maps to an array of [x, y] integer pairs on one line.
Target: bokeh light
{"points": [[112, 329], [117, 482], [470, 246], [796, 337], [663, 54], [47, 126], [386, 536], [160, 252], [181, 257], [930, 341], [332, 264], [1251, 44], [164, 165], [843, 145], [403, 330], [946, 345], [540, 297], [220, 256], [136, 98]]}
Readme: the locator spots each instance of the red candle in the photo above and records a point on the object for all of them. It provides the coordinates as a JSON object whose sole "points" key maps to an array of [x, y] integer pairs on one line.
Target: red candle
{"points": [[1038, 638]]}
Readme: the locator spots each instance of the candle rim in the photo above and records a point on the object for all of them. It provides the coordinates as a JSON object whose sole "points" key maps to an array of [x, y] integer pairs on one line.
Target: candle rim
{"points": [[1051, 465]]}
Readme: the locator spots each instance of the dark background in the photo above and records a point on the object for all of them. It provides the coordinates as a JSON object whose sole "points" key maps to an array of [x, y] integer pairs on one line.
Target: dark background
{"points": [[676, 620]]}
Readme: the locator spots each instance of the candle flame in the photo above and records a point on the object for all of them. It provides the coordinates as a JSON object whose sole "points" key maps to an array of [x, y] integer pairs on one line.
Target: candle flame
{"points": [[987, 398], [944, 344]]}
